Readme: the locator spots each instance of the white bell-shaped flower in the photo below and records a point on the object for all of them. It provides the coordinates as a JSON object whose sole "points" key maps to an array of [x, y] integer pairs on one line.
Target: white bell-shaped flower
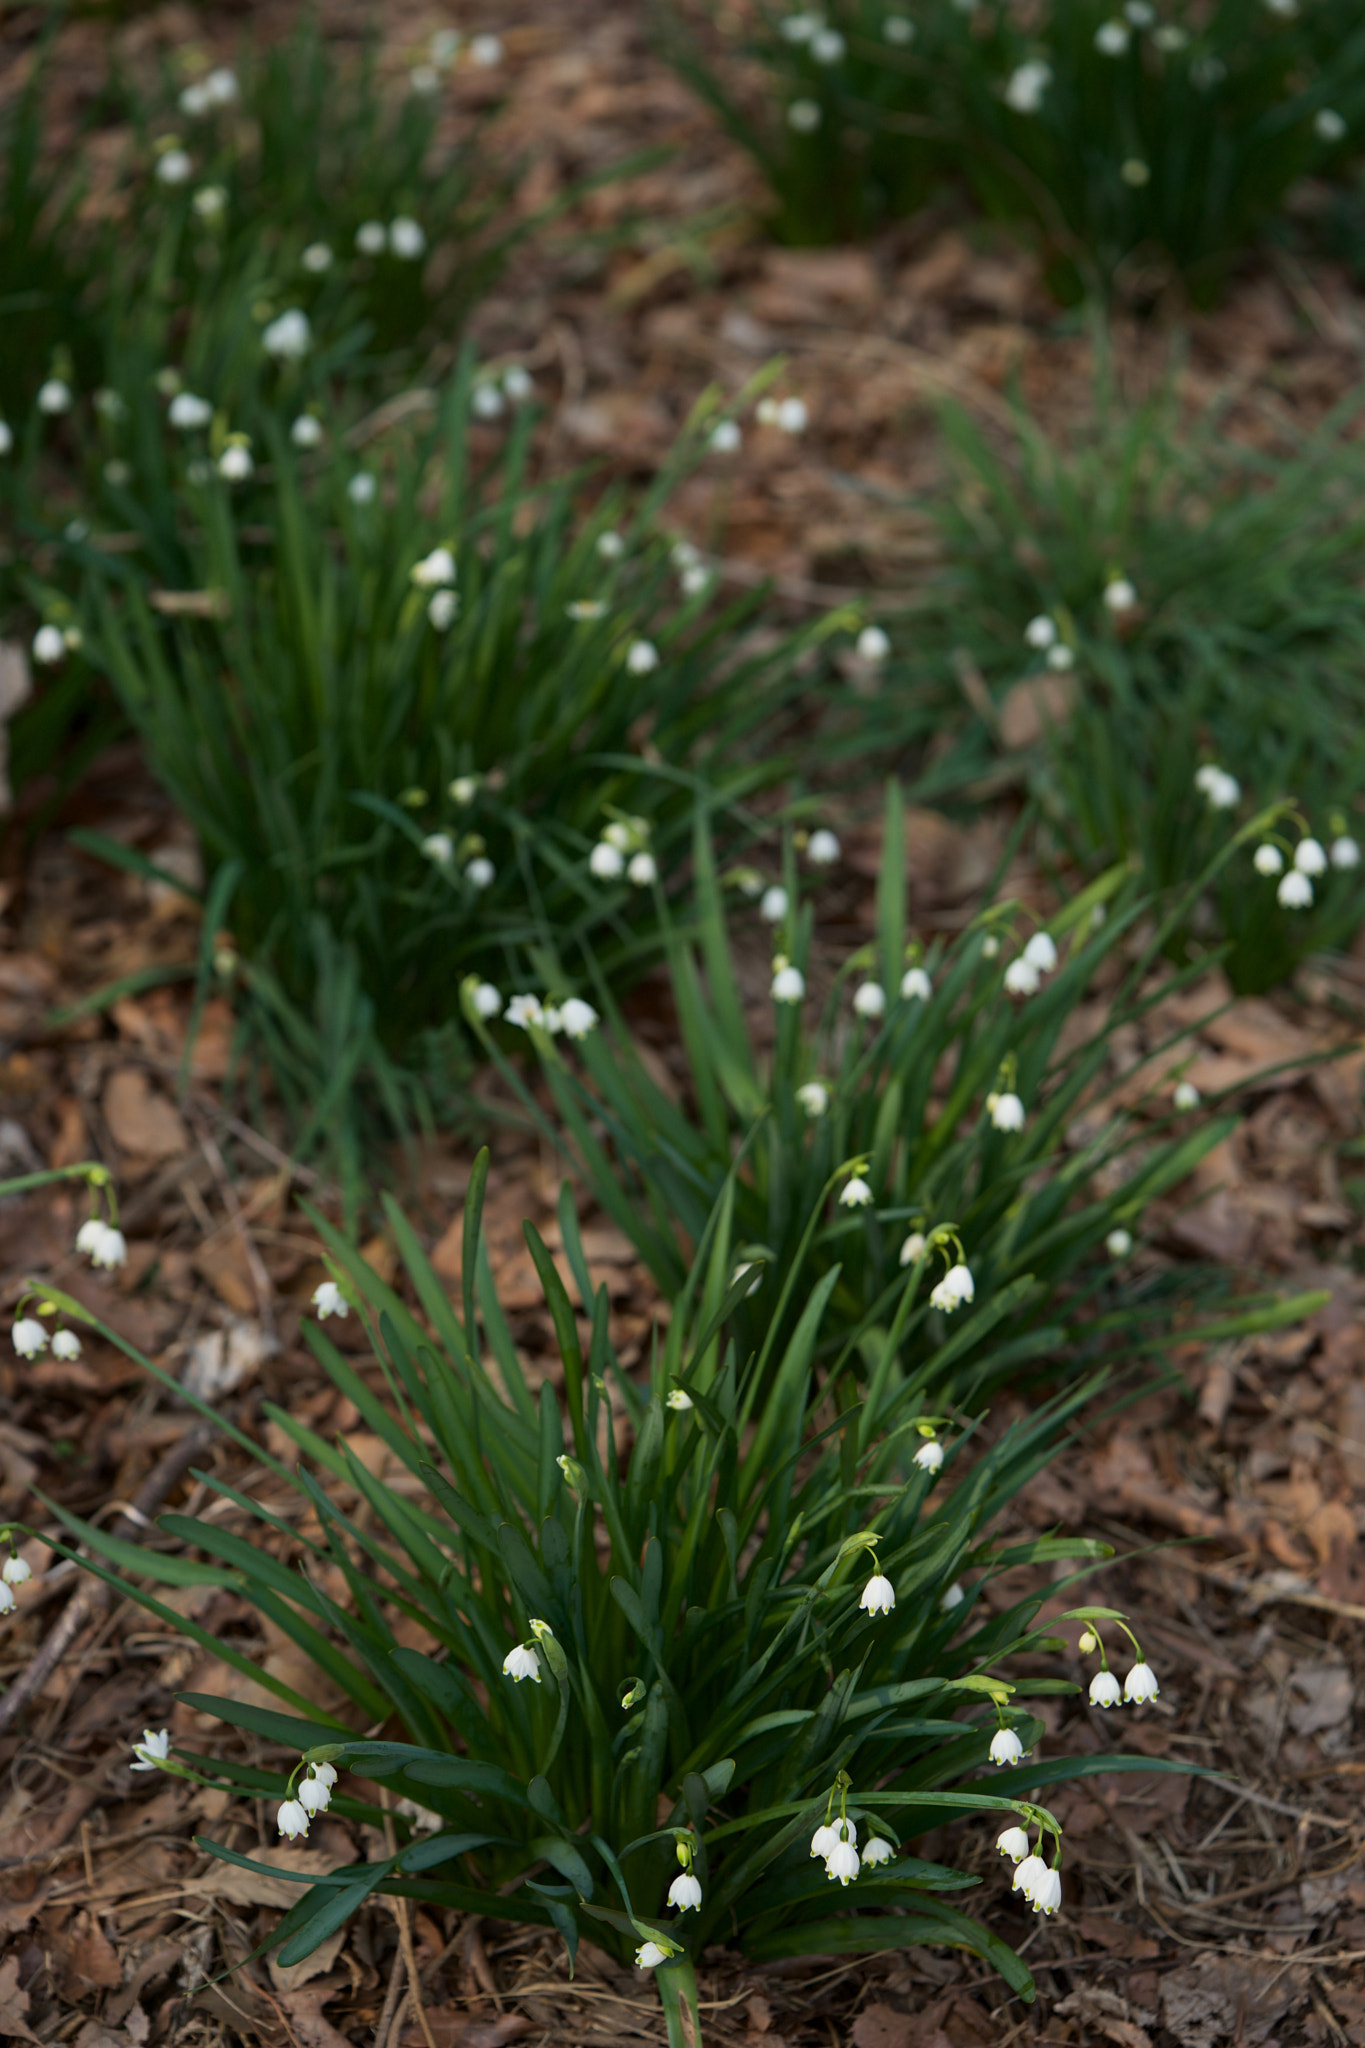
{"points": [[813, 1097], [152, 1751], [1310, 857], [1028, 1875], [869, 999], [855, 1193], [843, 1861], [328, 1300], [878, 1596], [289, 337], [685, 1892], [112, 1249], [956, 1286], [649, 1955], [789, 985], [292, 1819], [1047, 1892], [873, 644], [642, 657], [1041, 952], [1105, 1690], [577, 1017], [878, 1851], [434, 570], [522, 1662], [1222, 791], [1140, 1685], [913, 1248], [1186, 1095], [606, 862], [1345, 852], [1268, 860], [49, 646], [929, 1456], [1006, 1748], [1119, 1243], [1006, 1112], [823, 848], [1295, 891], [916, 986], [313, 1796], [407, 238], [1022, 978], [326, 1774], [1013, 1843], [773, 904], [29, 1337], [17, 1571], [1041, 632], [65, 1344]]}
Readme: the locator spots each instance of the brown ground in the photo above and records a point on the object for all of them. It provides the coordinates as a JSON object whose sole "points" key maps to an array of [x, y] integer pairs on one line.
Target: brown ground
{"points": [[1193, 1916]]}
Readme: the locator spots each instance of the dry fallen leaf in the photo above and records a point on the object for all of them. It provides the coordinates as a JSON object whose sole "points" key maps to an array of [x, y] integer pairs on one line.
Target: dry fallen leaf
{"points": [[1324, 1697], [1216, 1999], [881, 2026], [142, 1121], [13, 2003], [293, 1976], [255, 1887]]}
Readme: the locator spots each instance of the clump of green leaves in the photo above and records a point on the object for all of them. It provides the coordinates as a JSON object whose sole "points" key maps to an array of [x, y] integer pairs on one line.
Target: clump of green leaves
{"points": [[1171, 597], [1142, 142], [874, 1142], [410, 694], [300, 183], [631, 1655]]}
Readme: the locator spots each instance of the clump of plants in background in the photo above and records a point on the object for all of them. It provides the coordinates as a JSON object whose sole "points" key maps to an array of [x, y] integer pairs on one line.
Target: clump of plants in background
{"points": [[1145, 602], [940, 1135], [426, 720], [1143, 142], [711, 1689], [298, 188]]}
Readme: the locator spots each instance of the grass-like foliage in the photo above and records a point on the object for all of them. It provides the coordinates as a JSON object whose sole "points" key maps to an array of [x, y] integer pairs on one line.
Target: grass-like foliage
{"points": [[1142, 141], [413, 690], [929, 1119], [1181, 599], [301, 182], [632, 1662]]}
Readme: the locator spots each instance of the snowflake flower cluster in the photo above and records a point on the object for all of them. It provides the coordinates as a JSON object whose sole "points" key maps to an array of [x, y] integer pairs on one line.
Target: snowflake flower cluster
{"points": [[623, 849]]}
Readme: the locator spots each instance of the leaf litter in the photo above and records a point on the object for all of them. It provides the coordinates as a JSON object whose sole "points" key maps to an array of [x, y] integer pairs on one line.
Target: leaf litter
{"points": [[1198, 1910]]}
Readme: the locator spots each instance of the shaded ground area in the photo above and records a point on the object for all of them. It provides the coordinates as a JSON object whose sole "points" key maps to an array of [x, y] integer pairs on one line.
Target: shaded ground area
{"points": [[1197, 1911]]}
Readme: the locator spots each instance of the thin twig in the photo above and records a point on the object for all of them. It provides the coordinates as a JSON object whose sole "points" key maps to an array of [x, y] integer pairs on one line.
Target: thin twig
{"points": [[388, 2018], [401, 1915]]}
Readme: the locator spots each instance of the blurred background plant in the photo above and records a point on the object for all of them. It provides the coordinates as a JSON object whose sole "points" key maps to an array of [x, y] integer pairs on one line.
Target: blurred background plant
{"points": [[1114, 610], [299, 183], [425, 719], [290, 237], [1144, 145], [952, 1135], [725, 1641]]}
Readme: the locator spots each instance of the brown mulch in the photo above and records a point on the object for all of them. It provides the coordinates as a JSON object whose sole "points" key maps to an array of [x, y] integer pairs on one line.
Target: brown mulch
{"points": [[1196, 1912]]}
